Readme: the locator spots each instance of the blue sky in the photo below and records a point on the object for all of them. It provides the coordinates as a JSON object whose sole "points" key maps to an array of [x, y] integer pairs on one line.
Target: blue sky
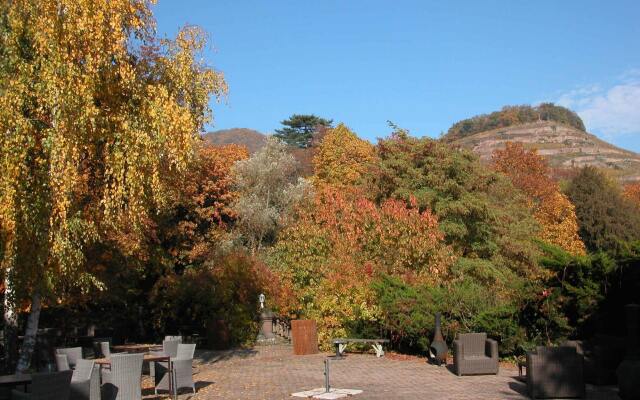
{"points": [[421, 64]]}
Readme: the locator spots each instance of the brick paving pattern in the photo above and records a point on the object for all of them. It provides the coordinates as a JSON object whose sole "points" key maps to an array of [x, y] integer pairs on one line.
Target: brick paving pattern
{"points": [[273, 372]]}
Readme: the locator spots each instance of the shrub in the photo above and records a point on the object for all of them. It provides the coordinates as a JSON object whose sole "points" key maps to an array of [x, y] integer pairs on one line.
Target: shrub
{"points": [[227, 290], [408, 311]]}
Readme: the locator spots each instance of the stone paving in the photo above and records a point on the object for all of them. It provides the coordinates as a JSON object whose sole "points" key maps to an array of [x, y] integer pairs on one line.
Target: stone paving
{"points": [[273, 372]]}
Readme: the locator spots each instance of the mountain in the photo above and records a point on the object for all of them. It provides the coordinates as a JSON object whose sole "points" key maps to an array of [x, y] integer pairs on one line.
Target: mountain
{"points": [[253, 140], [565, 146]]}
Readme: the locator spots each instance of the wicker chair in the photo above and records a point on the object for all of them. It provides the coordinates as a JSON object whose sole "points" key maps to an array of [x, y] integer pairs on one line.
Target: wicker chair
{"points": [[169, 348], [47, 386], [602, 356], [182, 367], [62, 362], [73, 355], [555, 372], [173, 338], [122, 381], [85, 382], [105, 349], [474, 354]]}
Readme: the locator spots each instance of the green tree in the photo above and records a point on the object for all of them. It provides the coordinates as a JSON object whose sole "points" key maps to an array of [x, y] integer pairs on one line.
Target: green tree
{"points": [[298, 129], [605, 216], [485, 219], [95, 112]]}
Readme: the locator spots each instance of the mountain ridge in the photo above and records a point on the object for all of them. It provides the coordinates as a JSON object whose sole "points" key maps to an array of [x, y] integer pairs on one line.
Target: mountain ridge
{"points": [[565, 147], [250, 138]]}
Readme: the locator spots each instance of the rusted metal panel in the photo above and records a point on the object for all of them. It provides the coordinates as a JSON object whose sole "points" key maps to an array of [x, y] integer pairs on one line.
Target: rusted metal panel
{"points": [[304, 336]]}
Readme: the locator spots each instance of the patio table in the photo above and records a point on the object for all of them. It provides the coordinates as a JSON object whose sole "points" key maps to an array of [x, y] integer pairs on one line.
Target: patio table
{"points": [[137, 347], [15, 380]]}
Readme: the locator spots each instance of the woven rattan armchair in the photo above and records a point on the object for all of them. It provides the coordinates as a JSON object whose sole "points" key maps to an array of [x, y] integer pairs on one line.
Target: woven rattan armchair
{"points": [[73, 354], [182, 368], [602, 356], [122, 381], [47, 386], [62, 362], [105, 349], [173, 338], [474, 354], [555, 372], [169, 348], [85, 382]]}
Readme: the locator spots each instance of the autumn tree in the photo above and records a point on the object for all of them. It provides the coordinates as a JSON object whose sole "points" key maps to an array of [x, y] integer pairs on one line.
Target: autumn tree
{"points": [[530, 173], [298, 129], [632, 192], [194, 227], [95, 112], [605, 216], [268, 188], [342, 158], [340, 243]]}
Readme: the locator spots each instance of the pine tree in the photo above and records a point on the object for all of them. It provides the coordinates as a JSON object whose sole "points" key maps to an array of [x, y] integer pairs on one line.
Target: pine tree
{"points": [[298, 130]]}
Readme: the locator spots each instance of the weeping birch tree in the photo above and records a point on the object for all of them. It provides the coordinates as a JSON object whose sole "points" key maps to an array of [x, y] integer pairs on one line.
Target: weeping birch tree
{"points": [[95, 113]]}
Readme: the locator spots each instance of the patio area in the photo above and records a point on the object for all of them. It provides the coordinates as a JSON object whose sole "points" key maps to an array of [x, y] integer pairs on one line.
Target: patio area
{"points": [[273, 372]]}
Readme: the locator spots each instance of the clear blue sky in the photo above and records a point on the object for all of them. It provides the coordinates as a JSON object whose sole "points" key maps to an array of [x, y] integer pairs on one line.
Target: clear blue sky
{"points": [[421, 64]]}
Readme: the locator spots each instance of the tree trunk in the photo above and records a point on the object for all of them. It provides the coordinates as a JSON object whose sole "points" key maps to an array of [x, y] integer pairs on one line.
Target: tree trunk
{"points": [[29, 343], [10, 324]]}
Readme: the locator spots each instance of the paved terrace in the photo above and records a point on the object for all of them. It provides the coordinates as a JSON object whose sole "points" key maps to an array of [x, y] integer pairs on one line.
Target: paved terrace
{"points": [[273, 372]]}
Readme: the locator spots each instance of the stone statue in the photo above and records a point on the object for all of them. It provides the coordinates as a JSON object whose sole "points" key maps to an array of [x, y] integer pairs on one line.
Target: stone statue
{"points": [[266, 335]]}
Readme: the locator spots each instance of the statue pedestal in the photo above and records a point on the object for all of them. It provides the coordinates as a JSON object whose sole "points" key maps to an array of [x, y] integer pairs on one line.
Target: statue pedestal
{"points": [[266, 335]]}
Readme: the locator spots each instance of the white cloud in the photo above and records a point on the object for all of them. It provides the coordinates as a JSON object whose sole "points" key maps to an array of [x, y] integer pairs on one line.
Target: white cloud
{"points": [[611, 111]]}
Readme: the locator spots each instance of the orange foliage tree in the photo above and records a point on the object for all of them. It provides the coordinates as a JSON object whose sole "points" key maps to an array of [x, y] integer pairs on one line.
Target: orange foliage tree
{"points": [[342, 158], [556, 214], [195, 225], [340, 243], [632, 192]]}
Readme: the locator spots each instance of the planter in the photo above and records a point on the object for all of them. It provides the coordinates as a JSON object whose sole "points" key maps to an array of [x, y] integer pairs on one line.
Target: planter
{"points": [[304, 336]]}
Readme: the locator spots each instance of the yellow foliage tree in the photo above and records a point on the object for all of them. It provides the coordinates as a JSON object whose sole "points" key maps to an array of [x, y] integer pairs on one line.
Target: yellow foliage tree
{"points": [[529, 172], [95, 112], [342, 158]]}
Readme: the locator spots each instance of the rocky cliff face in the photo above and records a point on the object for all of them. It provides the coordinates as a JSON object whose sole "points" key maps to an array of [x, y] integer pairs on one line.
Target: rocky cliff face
{"points": [[564, 147]]}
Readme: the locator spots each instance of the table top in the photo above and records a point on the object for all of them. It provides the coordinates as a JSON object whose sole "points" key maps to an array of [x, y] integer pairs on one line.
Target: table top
{"points": [[146, 358], [137, 347], [13, 380]]}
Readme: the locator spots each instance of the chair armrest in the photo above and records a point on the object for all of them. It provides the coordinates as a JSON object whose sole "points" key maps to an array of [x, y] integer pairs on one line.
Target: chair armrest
{"points": [[491, 348], [535, 370], [458, 351]]}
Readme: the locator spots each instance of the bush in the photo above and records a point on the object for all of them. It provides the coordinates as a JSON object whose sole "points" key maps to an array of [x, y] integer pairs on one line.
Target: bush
{"points": [[466, 306], [228, 290]]}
